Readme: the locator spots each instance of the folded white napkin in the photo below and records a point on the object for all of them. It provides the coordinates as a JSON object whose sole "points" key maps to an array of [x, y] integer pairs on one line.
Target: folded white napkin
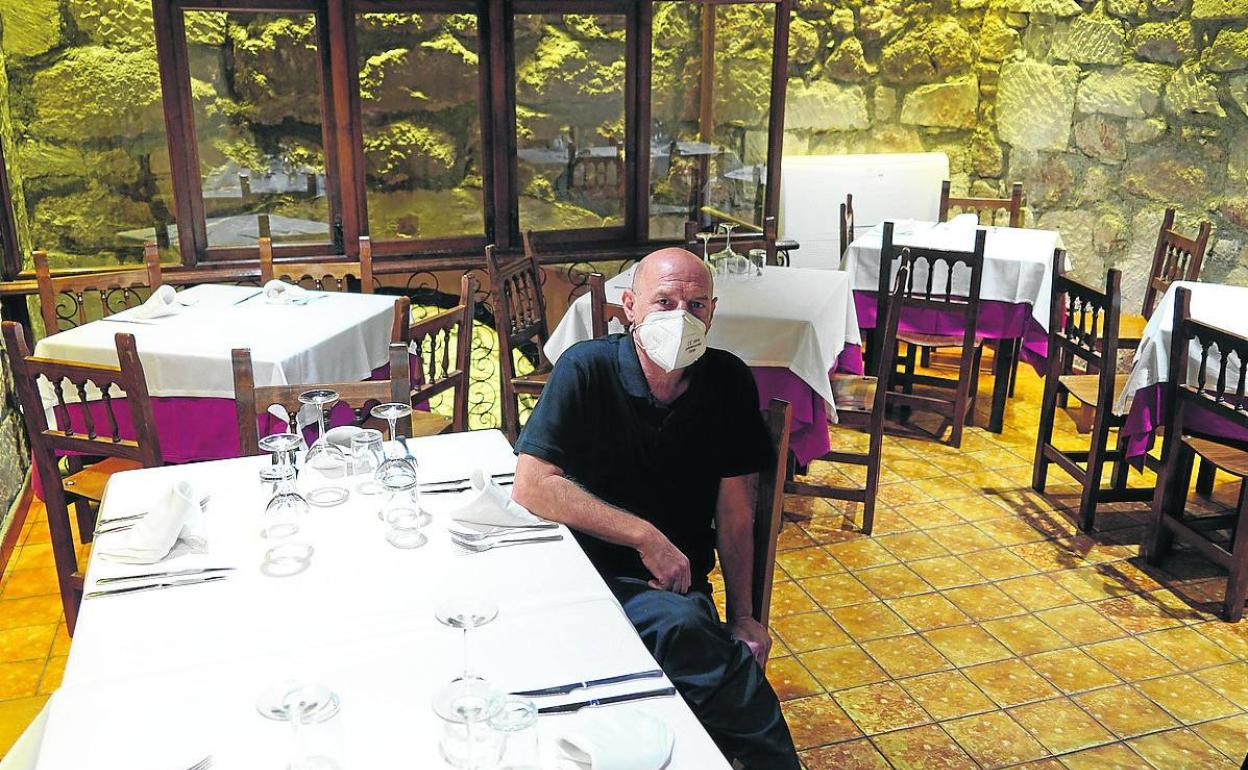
{"points": [[621, 740], [965, 221], [281, 293], [489, 506], [342, 435], [173, 526], [163, 302]]}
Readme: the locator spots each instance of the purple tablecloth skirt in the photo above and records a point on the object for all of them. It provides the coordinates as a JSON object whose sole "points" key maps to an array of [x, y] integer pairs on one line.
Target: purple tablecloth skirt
{"points": [[808, 434], [997, 321], [1148, 413]]}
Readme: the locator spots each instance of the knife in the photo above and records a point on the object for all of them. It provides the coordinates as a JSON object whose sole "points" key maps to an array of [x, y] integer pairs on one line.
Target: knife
{"points": [[494, 476], [564, 689], [572, 708], [446, 490], [154, 586], [249, 296], [175, 573]]}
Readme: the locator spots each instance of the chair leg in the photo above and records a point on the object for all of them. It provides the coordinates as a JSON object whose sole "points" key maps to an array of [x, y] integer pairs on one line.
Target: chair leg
{"points": [[925, 357], [1044, 433], [1121, 468], [1092, 474], [1205, 477], [907, 384], [1237, 581], [1015, 355]]}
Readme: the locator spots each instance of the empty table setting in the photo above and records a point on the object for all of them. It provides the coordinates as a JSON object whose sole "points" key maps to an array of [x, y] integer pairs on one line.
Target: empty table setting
{"points": [[210, 652], [792, 326]]}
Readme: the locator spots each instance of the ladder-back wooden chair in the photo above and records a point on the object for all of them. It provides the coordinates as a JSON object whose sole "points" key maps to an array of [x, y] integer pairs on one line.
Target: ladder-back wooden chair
{"points": [[931, 290], [1220, 395], [602, 313], [520, 321], [321, 276], [1175, 258], [768, 509], [1083, 324], [981, 207], [101, 435], [67, 301], [861, 402], [251, 402], [435, 370]]}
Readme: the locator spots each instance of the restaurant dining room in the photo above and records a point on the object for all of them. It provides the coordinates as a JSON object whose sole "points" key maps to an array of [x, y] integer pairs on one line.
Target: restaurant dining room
{"points": [[623, 384]]}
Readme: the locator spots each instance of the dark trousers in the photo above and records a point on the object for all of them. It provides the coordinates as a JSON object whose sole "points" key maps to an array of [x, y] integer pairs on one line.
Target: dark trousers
{"points": [[716, 674]]}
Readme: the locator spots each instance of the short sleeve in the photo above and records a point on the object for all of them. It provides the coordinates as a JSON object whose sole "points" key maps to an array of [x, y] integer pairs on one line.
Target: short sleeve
{"points": [[745, 445], [556, 426]]}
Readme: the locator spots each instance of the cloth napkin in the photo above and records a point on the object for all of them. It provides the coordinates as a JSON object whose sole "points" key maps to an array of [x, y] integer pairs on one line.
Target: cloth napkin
{"points": [[621, 740], [163, 302], [342, 435], [173, 526], [489, 506], [281, 293]]}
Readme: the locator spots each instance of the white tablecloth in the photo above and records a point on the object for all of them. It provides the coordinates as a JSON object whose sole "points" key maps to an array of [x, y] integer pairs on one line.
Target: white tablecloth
{"points": [[794, 318], [161, 679], [339, 337], [1018, 263], [1215, 304]]}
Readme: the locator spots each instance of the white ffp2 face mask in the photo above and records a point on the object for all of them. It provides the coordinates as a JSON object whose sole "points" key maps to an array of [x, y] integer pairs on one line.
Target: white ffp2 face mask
{"points": [[672, 338]]}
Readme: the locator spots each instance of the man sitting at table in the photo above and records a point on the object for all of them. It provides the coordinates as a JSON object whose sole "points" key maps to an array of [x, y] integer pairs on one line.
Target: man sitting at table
{"points": [[647, 445]]}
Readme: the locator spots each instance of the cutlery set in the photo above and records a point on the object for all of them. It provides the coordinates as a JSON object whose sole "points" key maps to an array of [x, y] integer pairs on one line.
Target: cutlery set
{"points": [[477, 546], [161, 580], [463, 485], [571, 708]]}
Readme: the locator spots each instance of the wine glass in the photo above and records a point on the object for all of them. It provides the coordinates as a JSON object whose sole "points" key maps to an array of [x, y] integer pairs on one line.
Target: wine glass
{"points": [[367, 455], [466, 613], [285, 508], [325, 458], [303, 705], [399, 467], [282, 446], [705, 237]]}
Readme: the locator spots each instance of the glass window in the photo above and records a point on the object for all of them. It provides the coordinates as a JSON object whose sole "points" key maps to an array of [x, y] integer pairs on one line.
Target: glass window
{"points": [[257, 98], [90, 168], [709, 120], [570, 120], [419, 98]]}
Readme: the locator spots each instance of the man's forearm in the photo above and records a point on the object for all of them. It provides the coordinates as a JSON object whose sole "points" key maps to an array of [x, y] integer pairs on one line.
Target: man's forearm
{"points": [[560, 499], [735, 543]]}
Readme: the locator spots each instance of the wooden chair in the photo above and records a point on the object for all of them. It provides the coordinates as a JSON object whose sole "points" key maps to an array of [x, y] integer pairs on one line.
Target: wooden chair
{"points": [[861, 402], [250, 401], [1083, 324], [1175, 258], [768, 507], [1012, 205], [63, 301], [321, 276], [429, 342], [847, 226], [520, 320], [1221, 396], [924, 293], [602, 313], [94, 441]]}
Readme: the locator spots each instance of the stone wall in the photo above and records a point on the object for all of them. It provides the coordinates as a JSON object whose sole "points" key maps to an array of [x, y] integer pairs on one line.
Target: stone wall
{"points": [[1107, 111]]}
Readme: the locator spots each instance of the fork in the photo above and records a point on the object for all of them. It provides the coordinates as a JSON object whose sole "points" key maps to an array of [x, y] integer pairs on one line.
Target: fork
{"points": [[472, 537], [478, 547], [202, 764]]}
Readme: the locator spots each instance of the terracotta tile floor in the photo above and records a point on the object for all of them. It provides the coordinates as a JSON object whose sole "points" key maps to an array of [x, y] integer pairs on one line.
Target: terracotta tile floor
{"points": [[976, 628]]}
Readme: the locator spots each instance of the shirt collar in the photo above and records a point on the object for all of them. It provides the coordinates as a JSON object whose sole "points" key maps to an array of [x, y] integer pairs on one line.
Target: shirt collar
{"points": [[632, 376]]}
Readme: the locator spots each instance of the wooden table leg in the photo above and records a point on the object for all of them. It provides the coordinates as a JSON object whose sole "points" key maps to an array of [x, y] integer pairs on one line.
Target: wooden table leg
{"points": [[1001, 367]]}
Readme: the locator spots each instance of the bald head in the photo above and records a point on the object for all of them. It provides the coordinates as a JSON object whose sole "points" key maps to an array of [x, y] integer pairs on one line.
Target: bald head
{"points": [[672, 262], [671, 279]]}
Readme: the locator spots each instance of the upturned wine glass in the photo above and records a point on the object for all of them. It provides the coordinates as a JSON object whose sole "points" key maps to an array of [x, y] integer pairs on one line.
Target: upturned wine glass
{"points": [[326, 459]]}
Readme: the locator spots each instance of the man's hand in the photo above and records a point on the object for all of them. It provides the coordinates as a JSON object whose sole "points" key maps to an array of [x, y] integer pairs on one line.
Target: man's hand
{"points": [[669, 566], [754, 636]]}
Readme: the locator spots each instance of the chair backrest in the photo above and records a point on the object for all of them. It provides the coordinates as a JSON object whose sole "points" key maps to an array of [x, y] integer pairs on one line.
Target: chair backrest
{"points": [[429, 342], [1175, 258], [1217, 385], [1083, 325], [598, 176], [602, 313], [250, 401], [1013, 205], [63, 301], [931, 284], [769, 508], [520, 314], [321, 276], [847, 224]]}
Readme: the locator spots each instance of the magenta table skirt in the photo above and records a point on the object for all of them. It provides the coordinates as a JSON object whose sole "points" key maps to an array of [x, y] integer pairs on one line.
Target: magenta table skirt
{"points": [[808, 434], [997, 321], [1148, 413]]}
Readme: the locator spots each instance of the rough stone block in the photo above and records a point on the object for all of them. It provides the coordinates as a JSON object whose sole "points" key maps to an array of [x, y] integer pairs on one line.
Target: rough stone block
{"points": [[824, 106], [96, 92], [803, 41], [996, 39], [1035, 104], [1048, 178], [1235, 210], [1168, 42], [947, 105], [1171, 7], [987, 159], [1237, 87], [1143, 131], [1060, 8], [31, 27], [1125, 9], [1219, 10], [1191, 91], [1229, 51], [1167, 175], [1076, 228], [884, 100], [928, 53], [1101, 138], [1090, 40], [847, 62], [1132, 91]]}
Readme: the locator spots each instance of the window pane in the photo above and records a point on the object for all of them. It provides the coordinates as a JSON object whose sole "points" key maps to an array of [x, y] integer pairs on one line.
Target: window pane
{"points": [[256, 89], [719, 165], [419, 97], [90, 171], [570, 120]]}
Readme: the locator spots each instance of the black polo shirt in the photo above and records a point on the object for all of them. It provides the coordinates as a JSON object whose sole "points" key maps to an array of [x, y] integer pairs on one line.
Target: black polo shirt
{"points": [[598, 422]]}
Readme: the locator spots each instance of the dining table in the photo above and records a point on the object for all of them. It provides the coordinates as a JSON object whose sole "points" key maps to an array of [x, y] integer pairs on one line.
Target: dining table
{"points": [[792, 326], [1015, 291], [1143, 397], [186, 357], [164, 678]]}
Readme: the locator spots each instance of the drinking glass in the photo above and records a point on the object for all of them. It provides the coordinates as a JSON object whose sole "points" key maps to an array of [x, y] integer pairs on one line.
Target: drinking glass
{"points": [[305, 706], [287, 506], [367, 456], [466, 707], [516, 721], [326, 459], [758, 260], [466, 613], [401, 507], [282, 446]]}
